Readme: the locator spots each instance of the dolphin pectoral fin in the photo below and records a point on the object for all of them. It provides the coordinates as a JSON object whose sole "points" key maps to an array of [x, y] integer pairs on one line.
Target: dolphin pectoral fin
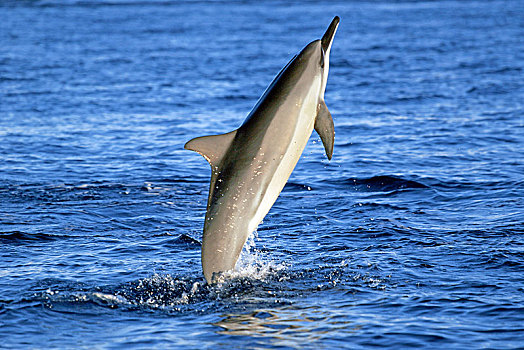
{"points": [[325, 128], [213, 147]]}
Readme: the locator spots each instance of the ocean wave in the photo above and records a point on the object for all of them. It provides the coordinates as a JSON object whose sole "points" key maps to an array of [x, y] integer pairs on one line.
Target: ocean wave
{"points": [[379, 183], [10, 237]]}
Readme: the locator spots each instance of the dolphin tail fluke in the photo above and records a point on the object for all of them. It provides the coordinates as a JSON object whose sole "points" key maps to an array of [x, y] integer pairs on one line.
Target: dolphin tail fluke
{"points": [[327, 39], [212, 148], [325, 128]]}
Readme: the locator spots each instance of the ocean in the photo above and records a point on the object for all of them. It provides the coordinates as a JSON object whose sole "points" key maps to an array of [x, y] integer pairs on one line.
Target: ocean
{"points": [[412, 236]]}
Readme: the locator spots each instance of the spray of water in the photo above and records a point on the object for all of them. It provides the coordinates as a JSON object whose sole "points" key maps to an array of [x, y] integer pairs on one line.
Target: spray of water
{"points": [[252, 264], [171, 292]]}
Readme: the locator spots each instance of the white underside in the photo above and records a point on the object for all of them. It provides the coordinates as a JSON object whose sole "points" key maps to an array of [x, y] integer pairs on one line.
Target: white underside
{"points": [[301, 134]]}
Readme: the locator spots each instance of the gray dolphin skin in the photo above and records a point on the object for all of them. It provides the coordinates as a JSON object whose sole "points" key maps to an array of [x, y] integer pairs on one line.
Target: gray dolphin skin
{"points": [[251, 165]]}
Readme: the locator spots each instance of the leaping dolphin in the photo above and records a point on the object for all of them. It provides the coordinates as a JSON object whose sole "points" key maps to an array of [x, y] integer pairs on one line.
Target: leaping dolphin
{"points": [[251, 165]]}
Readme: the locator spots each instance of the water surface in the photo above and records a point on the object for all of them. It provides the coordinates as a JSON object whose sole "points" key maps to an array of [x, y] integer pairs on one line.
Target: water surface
{"points": [[411, 237]]}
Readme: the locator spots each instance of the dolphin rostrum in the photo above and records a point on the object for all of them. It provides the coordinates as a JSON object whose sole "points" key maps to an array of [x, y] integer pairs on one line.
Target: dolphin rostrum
{"points": [[251, 165]]}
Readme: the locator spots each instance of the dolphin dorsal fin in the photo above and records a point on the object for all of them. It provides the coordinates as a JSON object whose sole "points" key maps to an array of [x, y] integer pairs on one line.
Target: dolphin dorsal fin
{"points": [[325, 128], [212, 148]]}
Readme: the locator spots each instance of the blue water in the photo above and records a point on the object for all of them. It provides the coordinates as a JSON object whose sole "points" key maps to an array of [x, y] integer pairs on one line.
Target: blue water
{"points": [[411, 237]]}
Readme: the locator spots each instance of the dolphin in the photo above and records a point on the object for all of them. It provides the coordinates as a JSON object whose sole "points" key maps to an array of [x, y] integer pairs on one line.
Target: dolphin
{"points": [[251, 165]]}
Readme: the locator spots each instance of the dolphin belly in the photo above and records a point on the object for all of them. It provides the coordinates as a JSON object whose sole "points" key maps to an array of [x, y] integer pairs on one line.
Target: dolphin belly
{"points": [[306, 112]]}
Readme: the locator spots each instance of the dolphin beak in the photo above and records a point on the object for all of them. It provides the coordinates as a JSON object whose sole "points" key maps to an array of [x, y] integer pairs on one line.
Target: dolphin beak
{"points": [[327, 39]]}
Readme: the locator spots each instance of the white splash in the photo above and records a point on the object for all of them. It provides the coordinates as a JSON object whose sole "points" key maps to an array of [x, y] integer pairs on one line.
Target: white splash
{"points": [[252, 264]]}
